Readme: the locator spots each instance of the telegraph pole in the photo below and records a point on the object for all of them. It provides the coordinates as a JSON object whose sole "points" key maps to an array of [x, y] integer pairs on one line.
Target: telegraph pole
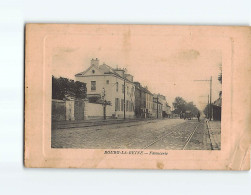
{"points": [[210, 98], [124, 96], [104, 104], [157, 106], [207, 106]]}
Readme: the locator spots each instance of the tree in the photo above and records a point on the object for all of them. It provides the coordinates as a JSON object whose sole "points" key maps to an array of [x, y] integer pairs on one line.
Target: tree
{"points": [[80, 90], [206, 110], [63, 87], [57, 89], [179, 105], [191, 107]]}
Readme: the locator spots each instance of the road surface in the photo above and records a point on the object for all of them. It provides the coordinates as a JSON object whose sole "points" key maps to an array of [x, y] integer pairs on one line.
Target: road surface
{"points": [[169, 134]]}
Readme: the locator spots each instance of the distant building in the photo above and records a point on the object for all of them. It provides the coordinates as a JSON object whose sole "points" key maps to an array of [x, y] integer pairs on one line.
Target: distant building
{"points": [[107, 83], [143, 101], [165, 109], [157, 106], [149, 103], [168, 111], [216, 108]]}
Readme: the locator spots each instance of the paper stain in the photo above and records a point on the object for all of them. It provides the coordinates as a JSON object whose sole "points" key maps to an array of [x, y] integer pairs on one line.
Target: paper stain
{"points": [[190, 54], [160, 165]]}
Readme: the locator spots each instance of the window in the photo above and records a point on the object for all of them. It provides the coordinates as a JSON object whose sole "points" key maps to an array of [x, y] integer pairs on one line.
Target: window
{"points": [[93, 71], [93, 85], [130, 107], [117, 106], [107, 82], [117, 86], [122, 104], [127, 89]]}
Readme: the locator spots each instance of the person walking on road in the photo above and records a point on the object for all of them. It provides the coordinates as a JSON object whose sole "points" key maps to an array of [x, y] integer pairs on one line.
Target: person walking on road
{"points": [[198, 116]]}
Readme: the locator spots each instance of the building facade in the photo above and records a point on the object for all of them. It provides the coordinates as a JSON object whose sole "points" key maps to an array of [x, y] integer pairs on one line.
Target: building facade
{"points": [[143, 101], [216, 108], [140, 101], [114, 86], [157, 106], [165, 109], [149, 103]]}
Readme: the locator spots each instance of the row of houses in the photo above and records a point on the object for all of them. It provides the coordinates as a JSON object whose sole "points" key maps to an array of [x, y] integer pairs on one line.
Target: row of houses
{"points": [[125, 96]]}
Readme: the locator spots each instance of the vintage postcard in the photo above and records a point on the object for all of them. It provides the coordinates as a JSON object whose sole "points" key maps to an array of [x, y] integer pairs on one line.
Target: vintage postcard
{"points": [[137, 96]]}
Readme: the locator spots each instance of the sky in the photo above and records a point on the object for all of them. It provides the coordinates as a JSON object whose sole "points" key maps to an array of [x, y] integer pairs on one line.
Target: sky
{"points": [[168, 65]]}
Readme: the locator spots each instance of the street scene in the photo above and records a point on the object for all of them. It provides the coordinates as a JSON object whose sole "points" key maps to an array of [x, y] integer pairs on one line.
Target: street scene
{"points": [[169, 134], [103, 101], [120, 113]]}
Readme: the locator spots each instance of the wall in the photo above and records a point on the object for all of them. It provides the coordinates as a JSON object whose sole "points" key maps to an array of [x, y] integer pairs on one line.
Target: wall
{"points": [[58, 110], [96, 110], [70, 110], [79, 110]]}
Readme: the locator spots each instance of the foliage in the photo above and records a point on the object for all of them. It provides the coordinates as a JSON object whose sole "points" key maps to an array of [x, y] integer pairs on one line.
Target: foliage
{"points": [[206, 110], [63, 88], [190, 106], [80, 90], [181, 106]]}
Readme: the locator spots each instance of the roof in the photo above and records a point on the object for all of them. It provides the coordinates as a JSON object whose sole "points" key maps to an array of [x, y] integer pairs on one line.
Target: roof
{"points": [[218, 102], [105, 69], [140, 87]]}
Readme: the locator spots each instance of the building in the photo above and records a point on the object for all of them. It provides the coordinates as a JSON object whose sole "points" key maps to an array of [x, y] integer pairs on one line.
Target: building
{"points": [[149, 103], [162, 100], [140, 101], [143, 101], [157, 106], [216, 108], [115, 86], [168, 111]]}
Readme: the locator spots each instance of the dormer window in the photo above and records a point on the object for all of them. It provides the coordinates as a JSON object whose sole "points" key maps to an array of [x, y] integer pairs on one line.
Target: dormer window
{"points": [[93, 71]]}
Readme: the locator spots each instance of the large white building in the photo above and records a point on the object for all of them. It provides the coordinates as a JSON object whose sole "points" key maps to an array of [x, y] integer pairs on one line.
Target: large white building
{"points": [[108, 83]]}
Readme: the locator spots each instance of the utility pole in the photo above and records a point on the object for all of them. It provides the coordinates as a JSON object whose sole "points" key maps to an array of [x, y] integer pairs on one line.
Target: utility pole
{"points": [[124, 96], [210, 98], [157, 106], [104, 104], [208, 106]]}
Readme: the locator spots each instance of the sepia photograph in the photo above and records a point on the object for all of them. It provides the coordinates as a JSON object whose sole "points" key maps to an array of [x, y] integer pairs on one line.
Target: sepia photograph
{"points": [[136, 96], [128, 90], [125, 97]]}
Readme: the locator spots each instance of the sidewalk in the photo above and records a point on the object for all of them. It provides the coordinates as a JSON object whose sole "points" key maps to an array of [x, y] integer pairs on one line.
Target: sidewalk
{"points": [[95, 122], [214, 129]]}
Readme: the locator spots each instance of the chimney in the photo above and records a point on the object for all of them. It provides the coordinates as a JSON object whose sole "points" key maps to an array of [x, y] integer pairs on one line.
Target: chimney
{"points": [[137, 84], [95, 62]]}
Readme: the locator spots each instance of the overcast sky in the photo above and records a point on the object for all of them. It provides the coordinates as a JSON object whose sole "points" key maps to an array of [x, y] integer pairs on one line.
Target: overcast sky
{"points": [[166, 64]]}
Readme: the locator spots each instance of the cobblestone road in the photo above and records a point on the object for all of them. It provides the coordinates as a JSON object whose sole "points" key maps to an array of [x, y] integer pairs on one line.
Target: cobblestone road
{"points": [[171, 134]]}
